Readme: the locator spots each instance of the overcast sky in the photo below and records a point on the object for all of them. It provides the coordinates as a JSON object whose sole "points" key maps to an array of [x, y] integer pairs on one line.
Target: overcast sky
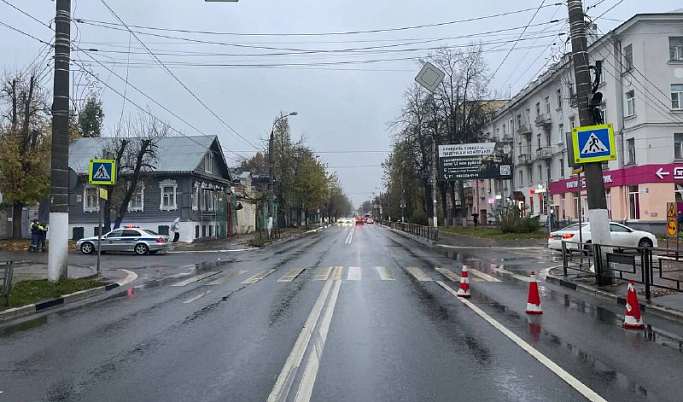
{"points": [[345, 83]]}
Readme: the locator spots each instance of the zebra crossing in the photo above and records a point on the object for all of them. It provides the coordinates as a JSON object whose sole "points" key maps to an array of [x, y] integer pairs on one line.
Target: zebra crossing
{"points": [[337, 273]]}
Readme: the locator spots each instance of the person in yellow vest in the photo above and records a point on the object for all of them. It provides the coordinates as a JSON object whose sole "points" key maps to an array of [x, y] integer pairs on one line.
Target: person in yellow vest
{"points": [[42, 229], [35, 235]]}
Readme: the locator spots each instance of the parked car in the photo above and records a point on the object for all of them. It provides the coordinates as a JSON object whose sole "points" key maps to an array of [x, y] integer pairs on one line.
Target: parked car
{"points": [[128, 239], [622, 235]]}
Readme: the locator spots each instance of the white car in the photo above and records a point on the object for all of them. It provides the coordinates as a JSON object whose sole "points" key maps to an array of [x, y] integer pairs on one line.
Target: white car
{"points": [[621, 236]]}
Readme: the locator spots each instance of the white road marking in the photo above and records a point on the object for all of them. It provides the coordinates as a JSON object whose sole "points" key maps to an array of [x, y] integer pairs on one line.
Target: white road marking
{"points": [[337, 273], [419, 275], [354, 274], [289, 276], [199, 296], [386, 274], [226, 278], [258, 277], [349, 237], [311, 371], [449, 274], [130, 277], [483, 275], [286, 377], [195, 278], [323, 274], [551, 365]]}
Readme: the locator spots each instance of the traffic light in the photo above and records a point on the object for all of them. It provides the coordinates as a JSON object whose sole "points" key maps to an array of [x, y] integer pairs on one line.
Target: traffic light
{"points": [[594, 107]]}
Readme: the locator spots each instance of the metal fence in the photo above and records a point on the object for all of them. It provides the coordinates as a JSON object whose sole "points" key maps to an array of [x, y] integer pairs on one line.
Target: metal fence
{"points": [[7, 272], [653, 267], [428, 232]]}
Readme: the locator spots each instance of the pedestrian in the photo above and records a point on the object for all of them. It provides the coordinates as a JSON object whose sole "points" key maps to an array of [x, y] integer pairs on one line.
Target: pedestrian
{"points": [[42, 229], [35, 236]]}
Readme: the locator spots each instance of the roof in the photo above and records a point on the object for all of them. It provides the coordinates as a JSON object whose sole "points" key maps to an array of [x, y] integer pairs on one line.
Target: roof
{"points": [[174, 154]]}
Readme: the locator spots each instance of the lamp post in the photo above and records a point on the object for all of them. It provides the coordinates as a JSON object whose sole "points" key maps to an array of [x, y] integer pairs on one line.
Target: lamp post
{"points": [[271, 192]]}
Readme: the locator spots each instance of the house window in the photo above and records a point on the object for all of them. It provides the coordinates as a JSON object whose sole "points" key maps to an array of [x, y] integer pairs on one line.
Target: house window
{"points": [[678, 146], [547, 105], [196, 232], [521, 177], [628, 57], [511, 124], [169, 195], [195, 196], [540, 174], [630, 103], [208, 163], [677, 96], [91, 199], [631, 149], [559, 98], [560, 127], [504, 129], [561, 167], [571, 90], [519, 121], [137, 201], [633, 202], [676, 48], [538, 108]]}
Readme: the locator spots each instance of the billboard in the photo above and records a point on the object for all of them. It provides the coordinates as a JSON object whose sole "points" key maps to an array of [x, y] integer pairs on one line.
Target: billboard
{"points": [[484, 160]]}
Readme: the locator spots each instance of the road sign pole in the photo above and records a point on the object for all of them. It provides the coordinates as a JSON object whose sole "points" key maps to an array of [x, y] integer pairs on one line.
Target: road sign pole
{"points": [[595, 187], [99, 232]]}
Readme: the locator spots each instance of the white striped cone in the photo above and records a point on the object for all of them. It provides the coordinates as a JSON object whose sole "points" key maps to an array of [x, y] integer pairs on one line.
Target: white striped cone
{"points": [[633, 318], [533, 304], [464, 290]]}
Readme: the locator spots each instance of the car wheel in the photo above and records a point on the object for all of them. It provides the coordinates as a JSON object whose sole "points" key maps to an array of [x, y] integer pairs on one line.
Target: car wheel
{"points": [[645, 243], [87, 248], [141, 249]]}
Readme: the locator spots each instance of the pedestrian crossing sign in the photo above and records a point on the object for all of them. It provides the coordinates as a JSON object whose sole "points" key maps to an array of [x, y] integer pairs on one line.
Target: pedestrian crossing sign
{"points": [[593, 143], [102, 172]]}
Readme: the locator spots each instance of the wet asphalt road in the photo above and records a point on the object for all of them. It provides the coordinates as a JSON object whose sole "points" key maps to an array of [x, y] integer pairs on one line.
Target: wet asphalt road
{"points": [[365, 320]]}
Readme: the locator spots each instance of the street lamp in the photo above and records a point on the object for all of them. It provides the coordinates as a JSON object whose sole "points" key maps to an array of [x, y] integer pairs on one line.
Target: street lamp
{"points": [[271, 192]]}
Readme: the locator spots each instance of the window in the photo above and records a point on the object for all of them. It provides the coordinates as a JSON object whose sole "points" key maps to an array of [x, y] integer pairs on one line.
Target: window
{"points": [[678, 146], [603, 112], [560, 127], [676, 48], [538, 108], [521, 178], [540, 174], [561, 168], [613, 227], [631, 149], [547, 105], [628, 57], [169, 195], [196, 232], [130, 233], [91, 199], [559, 98], [633, 202], [571, 90], [572, 122], [504, 129], [677, 96], [630, 103], [208, 162], [208, 199], [137, 201], [519, 121], [538, 141], [195, 196], [511, 123]]}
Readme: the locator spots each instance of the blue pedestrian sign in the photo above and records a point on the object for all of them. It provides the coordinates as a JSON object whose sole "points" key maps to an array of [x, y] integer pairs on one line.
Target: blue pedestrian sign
{"points": [[102, 172], [593, 144]]}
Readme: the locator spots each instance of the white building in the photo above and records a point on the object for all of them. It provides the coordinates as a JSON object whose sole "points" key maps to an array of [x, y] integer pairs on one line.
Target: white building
{"points": [[642, 87]]}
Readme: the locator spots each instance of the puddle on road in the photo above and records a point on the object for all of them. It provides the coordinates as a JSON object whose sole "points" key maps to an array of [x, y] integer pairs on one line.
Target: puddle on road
{"points": [[24, 326]]}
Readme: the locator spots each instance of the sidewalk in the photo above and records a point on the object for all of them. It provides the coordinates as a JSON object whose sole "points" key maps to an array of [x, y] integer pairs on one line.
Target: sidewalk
{"points": [[34, 266]]}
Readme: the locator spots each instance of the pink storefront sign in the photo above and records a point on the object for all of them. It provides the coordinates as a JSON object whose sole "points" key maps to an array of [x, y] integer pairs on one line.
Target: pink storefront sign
{"points": [[631, 176]]}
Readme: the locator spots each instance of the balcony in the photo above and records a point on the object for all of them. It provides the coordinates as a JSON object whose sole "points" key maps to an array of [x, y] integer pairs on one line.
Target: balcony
{"points": [[524, 128], [506, 138], [523, 159], [543, 120], [544, 153]]}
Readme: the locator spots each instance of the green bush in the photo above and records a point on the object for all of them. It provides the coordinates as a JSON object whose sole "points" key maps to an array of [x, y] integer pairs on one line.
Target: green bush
{"points": [[512, 221], [419, 216]]}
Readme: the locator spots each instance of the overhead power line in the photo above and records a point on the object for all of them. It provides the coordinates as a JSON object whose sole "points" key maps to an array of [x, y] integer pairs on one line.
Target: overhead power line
{"points": [[178, 79], [370, 31]]}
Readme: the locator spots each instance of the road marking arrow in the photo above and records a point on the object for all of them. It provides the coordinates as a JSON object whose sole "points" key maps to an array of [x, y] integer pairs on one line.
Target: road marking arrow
{"points": [[661, 173]]}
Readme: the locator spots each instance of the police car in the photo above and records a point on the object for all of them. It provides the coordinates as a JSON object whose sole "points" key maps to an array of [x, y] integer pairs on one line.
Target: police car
{"points": [[126, 239]]}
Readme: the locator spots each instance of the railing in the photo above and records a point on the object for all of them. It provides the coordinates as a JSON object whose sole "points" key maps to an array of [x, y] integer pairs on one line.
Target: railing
{"points": [[7, 272], [544, 152], [428, 232], [524, 129], [652, 267], [523, 159], [543, 120]]}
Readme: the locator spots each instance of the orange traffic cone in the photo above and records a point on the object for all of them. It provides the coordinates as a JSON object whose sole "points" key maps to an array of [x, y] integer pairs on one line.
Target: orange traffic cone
{"points": [[632, 319], [533, 304], [464, 290]]}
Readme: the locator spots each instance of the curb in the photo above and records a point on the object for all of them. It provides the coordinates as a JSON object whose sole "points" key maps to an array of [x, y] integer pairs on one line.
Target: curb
{"points": [[29, 309], [601, 294]]}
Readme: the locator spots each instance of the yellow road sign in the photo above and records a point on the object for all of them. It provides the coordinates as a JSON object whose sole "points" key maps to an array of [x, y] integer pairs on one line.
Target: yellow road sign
{"points": [[670, 210], [104, 194], [102, 172], [672, 227]]}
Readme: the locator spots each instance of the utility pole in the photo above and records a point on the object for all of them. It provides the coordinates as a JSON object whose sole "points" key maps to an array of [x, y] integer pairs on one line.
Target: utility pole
{"points": [[59, 175], [595, 188]]}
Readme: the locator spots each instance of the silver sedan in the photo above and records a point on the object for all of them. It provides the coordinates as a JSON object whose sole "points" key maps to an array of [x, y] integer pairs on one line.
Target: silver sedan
{"points": [[139, 241]]}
